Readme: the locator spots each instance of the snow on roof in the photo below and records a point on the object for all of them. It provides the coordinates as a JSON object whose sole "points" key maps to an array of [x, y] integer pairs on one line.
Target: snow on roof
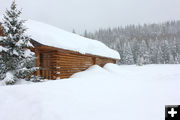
{"points": [[55, 37]]}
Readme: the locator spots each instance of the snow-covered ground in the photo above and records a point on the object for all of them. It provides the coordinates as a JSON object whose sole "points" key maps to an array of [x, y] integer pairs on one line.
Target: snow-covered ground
{"points": [[110, 93]]}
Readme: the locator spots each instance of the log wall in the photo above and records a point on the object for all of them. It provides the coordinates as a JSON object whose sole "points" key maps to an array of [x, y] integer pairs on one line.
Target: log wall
{"points": [[58, 63], [66, 64]]}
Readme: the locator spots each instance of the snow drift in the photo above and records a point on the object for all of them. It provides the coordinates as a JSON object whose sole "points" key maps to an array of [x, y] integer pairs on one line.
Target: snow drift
{"points": [[110, 93]]}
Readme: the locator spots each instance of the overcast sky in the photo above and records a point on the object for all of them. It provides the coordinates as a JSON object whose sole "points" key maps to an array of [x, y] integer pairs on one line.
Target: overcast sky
{"points": [[95, 14]]}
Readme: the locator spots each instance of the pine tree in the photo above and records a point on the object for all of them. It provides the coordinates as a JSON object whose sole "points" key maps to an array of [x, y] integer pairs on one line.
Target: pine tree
{"points": [[171, 59], [127, 54], [16, 59], [85, 34], [159, 56], [177, 59], [73, 31], [153, 51], [140, 60], [143, 54], [166, 51], [145, 51]]}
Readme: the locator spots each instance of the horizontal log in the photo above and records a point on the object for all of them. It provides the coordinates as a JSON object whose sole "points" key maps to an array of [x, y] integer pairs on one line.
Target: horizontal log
{"points": [[65, 66], [70, 66], [72, 61], [74, 64], [68, 71], [70, 55], [55, 75], [61, 70], [63, 77]]}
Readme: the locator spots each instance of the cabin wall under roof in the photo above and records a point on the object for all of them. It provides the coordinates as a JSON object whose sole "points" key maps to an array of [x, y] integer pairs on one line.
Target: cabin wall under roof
{"points": [[62, 64], [67, 64]]}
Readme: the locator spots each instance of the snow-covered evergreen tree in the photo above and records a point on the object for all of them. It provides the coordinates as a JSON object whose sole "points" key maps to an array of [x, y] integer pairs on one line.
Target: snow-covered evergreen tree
{"points": [[145, 51], [153, 51], [127, 56], [177, 59], [166, 51], [16, 59], [171, 59], [73, 31], [159, 56], [85, 33], [143, 54], [139, 60]]}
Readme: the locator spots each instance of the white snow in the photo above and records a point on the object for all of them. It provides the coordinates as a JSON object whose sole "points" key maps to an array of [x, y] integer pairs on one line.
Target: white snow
{"points": [[1, 38], [3, 49], [53, 36], [15, 52], [28, 53], [110, 93], [9, 78], [21, 41], [29, 44]]}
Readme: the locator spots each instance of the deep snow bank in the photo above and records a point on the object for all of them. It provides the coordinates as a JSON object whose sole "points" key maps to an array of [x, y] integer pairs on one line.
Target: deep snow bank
{"points": [[109, 93]]}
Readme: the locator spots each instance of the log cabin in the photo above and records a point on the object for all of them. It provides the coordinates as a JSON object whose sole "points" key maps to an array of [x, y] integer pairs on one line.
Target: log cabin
{"points": [[61, 54]]}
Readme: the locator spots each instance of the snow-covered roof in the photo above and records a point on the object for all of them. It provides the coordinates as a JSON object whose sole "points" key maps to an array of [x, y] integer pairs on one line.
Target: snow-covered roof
{"points": [[55, 37]]}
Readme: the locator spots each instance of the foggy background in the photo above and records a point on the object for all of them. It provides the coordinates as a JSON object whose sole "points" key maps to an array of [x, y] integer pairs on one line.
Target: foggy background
{"points": [[94, 14]]}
